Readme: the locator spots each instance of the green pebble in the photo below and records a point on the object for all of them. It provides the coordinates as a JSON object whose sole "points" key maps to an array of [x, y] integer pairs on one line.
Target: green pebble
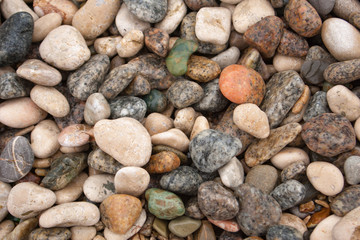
{"points": [[176, 61], [155, 101], [184, 226]]}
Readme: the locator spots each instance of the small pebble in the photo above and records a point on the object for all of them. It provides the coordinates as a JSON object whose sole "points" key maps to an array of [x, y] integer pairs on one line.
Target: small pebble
{"points": [[346, 228], [72, 191], [132, 181], [289, 155], [289, 194], [343, 102], [176, 10], [66, 9], [184, 226], [96, 109], [128, 106], [290, 220], [149, 11], [157, 123], [162, 162], [126, 21], [184, 93], [323, 231], [83, 233], [352, 170], [155, 101], [206, 231], [232, 174], [174, 138], [176, 61], [202, 69], [262, 177], [292, 45], [98, 187], [318, 104], [346, 201], [157, 41], [50, 233], [131, 44], [281, 232]]}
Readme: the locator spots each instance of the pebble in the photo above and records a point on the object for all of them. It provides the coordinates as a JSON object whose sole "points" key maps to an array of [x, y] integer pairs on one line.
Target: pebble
{"points": [[155, 101], [12, 86], [317, 106], [6, 227], [354, 19], [103, 162], [342, 72], [98, 187], [256, 207], [249, 12], [76, 135], [291, 220], [23, 229], [5, 190], [197, 5], [329, 134], [176, 10], [10, 7], [352, 170], [69, 215], [262, 177], [184, 93], [149, 10], [125, 139], [132, 181], [281, 232], [44, 25], [176, 61], [174, 138], [66, 9], [312, 70], [161, 227], [160, 148], [232, 174], [325, 177], [345, 8], [200, 124], [227, 225], [157, 41], [289, 194], [44, 139], [18, 159], [50, 233], [16, 34], [347, 227], [295, 170], [83, 233], [72, 191], [202, 69], [163, 162], [206, 231], [157, 123], [96, 109], [228, 57], [163, 204], [184, 226], [289, 155], [284, 63], [323, 7], [126, 21], [128, 106], [130, 44], [185, 119], [323, 231], [192, 209], [343, 102], [346, 201], [341, 39], [138, 86], [107, 45]]}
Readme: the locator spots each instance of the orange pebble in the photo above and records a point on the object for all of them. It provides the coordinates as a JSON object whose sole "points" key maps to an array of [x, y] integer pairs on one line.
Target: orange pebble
{"points": [[163, 162]]}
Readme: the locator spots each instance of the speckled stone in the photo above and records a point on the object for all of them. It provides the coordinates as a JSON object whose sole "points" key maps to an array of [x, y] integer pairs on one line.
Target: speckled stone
{"points": [[156, 101], [212, 149], [151, 11], [329, 134], [282, 92], [63, 170], [163, 204], [197, 4], [295, 171], [292, 45], [262, 150], [17, 159], [282, 232], [163, 162], [213, 100], [128, 106], [354, 19], [302, 18], [317, 106], [343, 72], [103, 162], [183, 180], [289, 194], [50, 233], [202, 69], [16, 35], [184, 93], [176, 61], [217, 202], [263, 177], [256, 207], [138, 86], [346, 201], [232, 236], [251, 58], [160, 148], [87, 79], [11, 86], [265, 35], [192, 209], [352, 170], [157, 41]]}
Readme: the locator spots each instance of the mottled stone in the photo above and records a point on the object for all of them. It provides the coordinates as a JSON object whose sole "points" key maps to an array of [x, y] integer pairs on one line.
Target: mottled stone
{"points": [[263, 177], [352, 170], [292, 45], [98, 187], [138, 86], [281, 232], [16, 35], [128, 106], [346, 201], [176, 61], [202, 69], [343, 72], [11, 86], [149, 10], [23, 229], [317, 106], [160, 148], [184, 93], [66, 9], [312, 70], [163, 162], [323, 7], [295, 170], [198, 4], [282, 92], [291, 220], [251, 58], [156, 101], [192, 209], [161, 227], [289, 194], [157, 41], [50, 233], [87, 79], [126, 21], [329, 134], [256, 207], [354, 19], [103, 162]]}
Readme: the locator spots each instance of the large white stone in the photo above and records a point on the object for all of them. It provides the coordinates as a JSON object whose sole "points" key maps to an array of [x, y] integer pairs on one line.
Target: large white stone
{"points": [[345, 228]]}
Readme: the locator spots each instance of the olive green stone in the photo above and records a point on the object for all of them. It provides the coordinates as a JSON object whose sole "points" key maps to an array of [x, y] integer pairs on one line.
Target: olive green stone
{"points": [[161, 227], [163, 204], [184, 226], [155, 101], [160, 148], [176, 61], [63, 170]]}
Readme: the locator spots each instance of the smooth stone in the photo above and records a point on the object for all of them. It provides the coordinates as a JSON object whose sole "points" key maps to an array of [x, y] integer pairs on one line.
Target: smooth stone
{"points": [[130, 44], [185, 119], [285, 63], [155, 101], [228, 57], [232, 174], [251, 58], [352, 170], [345, 8], [157, 123], [325, 177], [66, 9], [256, 207], [341, 39], [23, 229], [83, 233], [10, 7], [282, 92], [302, 102], [161, 227], [216, 202], [163, 204], [249, 12], [5, 190], [262, 177], [346, 201], [6, 227], [312, 70], [39, 73], [344, 102], [176, 61], [329, 134], [63, 170], [11, 86], [184, 93], [50, 233], [16, 34], [44, 139], [323, 7], [128, 106], [323, 231], [192, 209], [94, 17], [200, 124], [317, 106], [132, 181], [176, 10], [126, 21], [44, 25], [98, 187], [202, 69], [160, 148], [87, 79], [76, 135], [342, 72], [72, 191], [103, 162], [295, 170], [69, 215], [206, 231], [281, 232], [149, 10], [289, 194], [289, 155], [262, 150], [183, 180], [184, 226], [107, 45], [125, 139], [157, 41], [347, 227], [64, 48], [162, 162], [174, 138], [96, 109], [291, 220]]}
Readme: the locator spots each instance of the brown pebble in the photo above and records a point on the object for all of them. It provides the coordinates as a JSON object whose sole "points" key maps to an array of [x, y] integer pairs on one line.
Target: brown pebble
{"points": [[163, 162]]}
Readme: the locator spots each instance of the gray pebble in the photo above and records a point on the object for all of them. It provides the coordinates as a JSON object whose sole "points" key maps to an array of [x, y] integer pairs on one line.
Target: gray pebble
{"points": [[11, 86], [151, 11], [352, 170], [102, 161], [296, 171], [128, 106], [282, 232], [289, 194], [317, 105], [184, 93], [346, 201]]}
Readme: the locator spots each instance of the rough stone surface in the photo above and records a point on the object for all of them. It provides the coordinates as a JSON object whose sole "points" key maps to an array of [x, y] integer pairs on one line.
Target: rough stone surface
{"points": [[157, 40], [202, 69], [292, 45], [317, 106], [281, 232], [289, 194], [103, 162], [50, 233], [5, 190], [127, 106], [347, 226], [342, 72], [98, 187], [346, 201], [149, 10], [11, 86], [184, 93]]}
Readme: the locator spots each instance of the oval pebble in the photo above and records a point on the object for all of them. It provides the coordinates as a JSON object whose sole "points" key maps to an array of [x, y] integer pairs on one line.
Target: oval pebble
{"points": [[98, 187], [132, 181], [323, 231], [346, 227], [96, 109], [174, 138], [44, 139], [289, 155], [184, 93], [344, 102], [289, 194], [352, 170], [232, 174]]}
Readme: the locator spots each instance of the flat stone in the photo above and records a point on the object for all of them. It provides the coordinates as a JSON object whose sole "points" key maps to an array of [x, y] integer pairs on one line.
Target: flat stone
{"points": [[149, 10], [312, 70], [157, 123], [281, 232], [184, 226], [227, 225], [76, 135], [262, 177], [50, 233], [132, 181], [79, 233], [98, 187], [161, 227], [72, 191], [347, 226], [346, 201], [343, 102], [127, 106], [318, 105], [289, 194], [184, 93]]}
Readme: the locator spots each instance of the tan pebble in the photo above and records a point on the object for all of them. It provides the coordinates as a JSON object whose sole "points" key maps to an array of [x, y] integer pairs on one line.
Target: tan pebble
{"points": [[289, 155], [116, 62], [173, 138], [284, 63], [23, 229], [9, 7], [39, 73], [132, 181], [249, 118], [172, 41], [307, 207], [98, 187], [41, 172], [357, 128], [201, 123], [65, 8], [44, 141], [74, 135], [96, 108], [322, 203], [93, 171], [348, 227], [323, 231], [344, 102], [107, 45], [20, 113], [158, 123], [5, 189], [302, 101], [168, 110], [6, 227], [98, 237], [42, 163], [291, 220], [131, 44], [232, 173], [46, 24], [126, 21], [185, 119], [83, 233], [82, 148], [174, 15], [72, 191]]}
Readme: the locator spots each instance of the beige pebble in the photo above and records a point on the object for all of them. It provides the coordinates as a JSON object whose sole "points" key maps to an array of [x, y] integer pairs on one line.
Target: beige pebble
{"points": [[74, 135], [289, 155], [172, 41], [227, 57], [291, 220], [98, 187], [42, 163], [284, 63], [344, 102], [173, 138], [27, 199], [5, 189], [83, 233], [20, 113], [96, 109], [95, 16], [229, 6], [72, 191], [132, 181], [93, 171], [126, 21], [174, 15], [23, 229], [131, 44], [158, 123], [325, 177], [357, 128], [65, 48], [344, 229], [82, 148], [185, 119], [201, 123], [44, 137], [295, 117], [249, 118], [232, 173], [65, 8], [98, 237], [6, 227], [323, 231], [44, 25], [107, 45], [50, 100], [9, 7], [69, 215], [39, 73]]}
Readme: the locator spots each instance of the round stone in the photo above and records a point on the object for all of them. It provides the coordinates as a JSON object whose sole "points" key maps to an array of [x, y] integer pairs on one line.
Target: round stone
{"points": [[155, 101], [163, 162], [263, 177], [347, 227], [184, 93], [323, 7], [288, 156], [183, 226], [324, 229], [202, 69], [96, 109], [157, 123], [103, 162], [289, 194], [344, 102], [128, 106], [98, 187], [291, 220], [46, 24], [126, 21], [176, 11], [174, 138], [157, 41], [66, 9], [185, 119], [44, 139], [131, 44], [232, 174], [132, 181], [72, 191], [74, 135], [352, 170]]}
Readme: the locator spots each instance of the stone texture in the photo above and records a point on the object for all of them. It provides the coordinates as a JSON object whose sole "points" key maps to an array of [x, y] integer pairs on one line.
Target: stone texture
{"points": [[281, 232], [202, 69], [127, 106], [192, 209], [157, 40], [50, 233], [176, 61], [10, 7], [289, 194], [342, 72], [227, 57], [292, 45], [317, 106], [346, 201], [291, 220], [5, 190], [184, 226], [174, 138], [103, 162], [295, 170], [206, 231], [149, 10], [352, 169], [130, 44], [23, 229], [126, 21], [323, 7], [76, 135], [65, 8], [198, 4], [263, 177], [324, 229], [96, 109], [343, 102], [176, 11], [156, 101], [232, 174], [289, 155], [98, 187], [347, 226], [44, 139], [44, 25], [132, 181], [162, 162], [11, 86], [184, 93]]}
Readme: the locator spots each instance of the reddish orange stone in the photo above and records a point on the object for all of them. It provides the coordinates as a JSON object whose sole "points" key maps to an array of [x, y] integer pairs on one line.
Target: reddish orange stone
{"points": [[227, 225], [163, 162], [240, 85]]}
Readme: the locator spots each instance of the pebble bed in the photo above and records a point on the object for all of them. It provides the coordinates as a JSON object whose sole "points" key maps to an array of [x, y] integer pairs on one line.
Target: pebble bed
{"points": [[180, 119]]}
